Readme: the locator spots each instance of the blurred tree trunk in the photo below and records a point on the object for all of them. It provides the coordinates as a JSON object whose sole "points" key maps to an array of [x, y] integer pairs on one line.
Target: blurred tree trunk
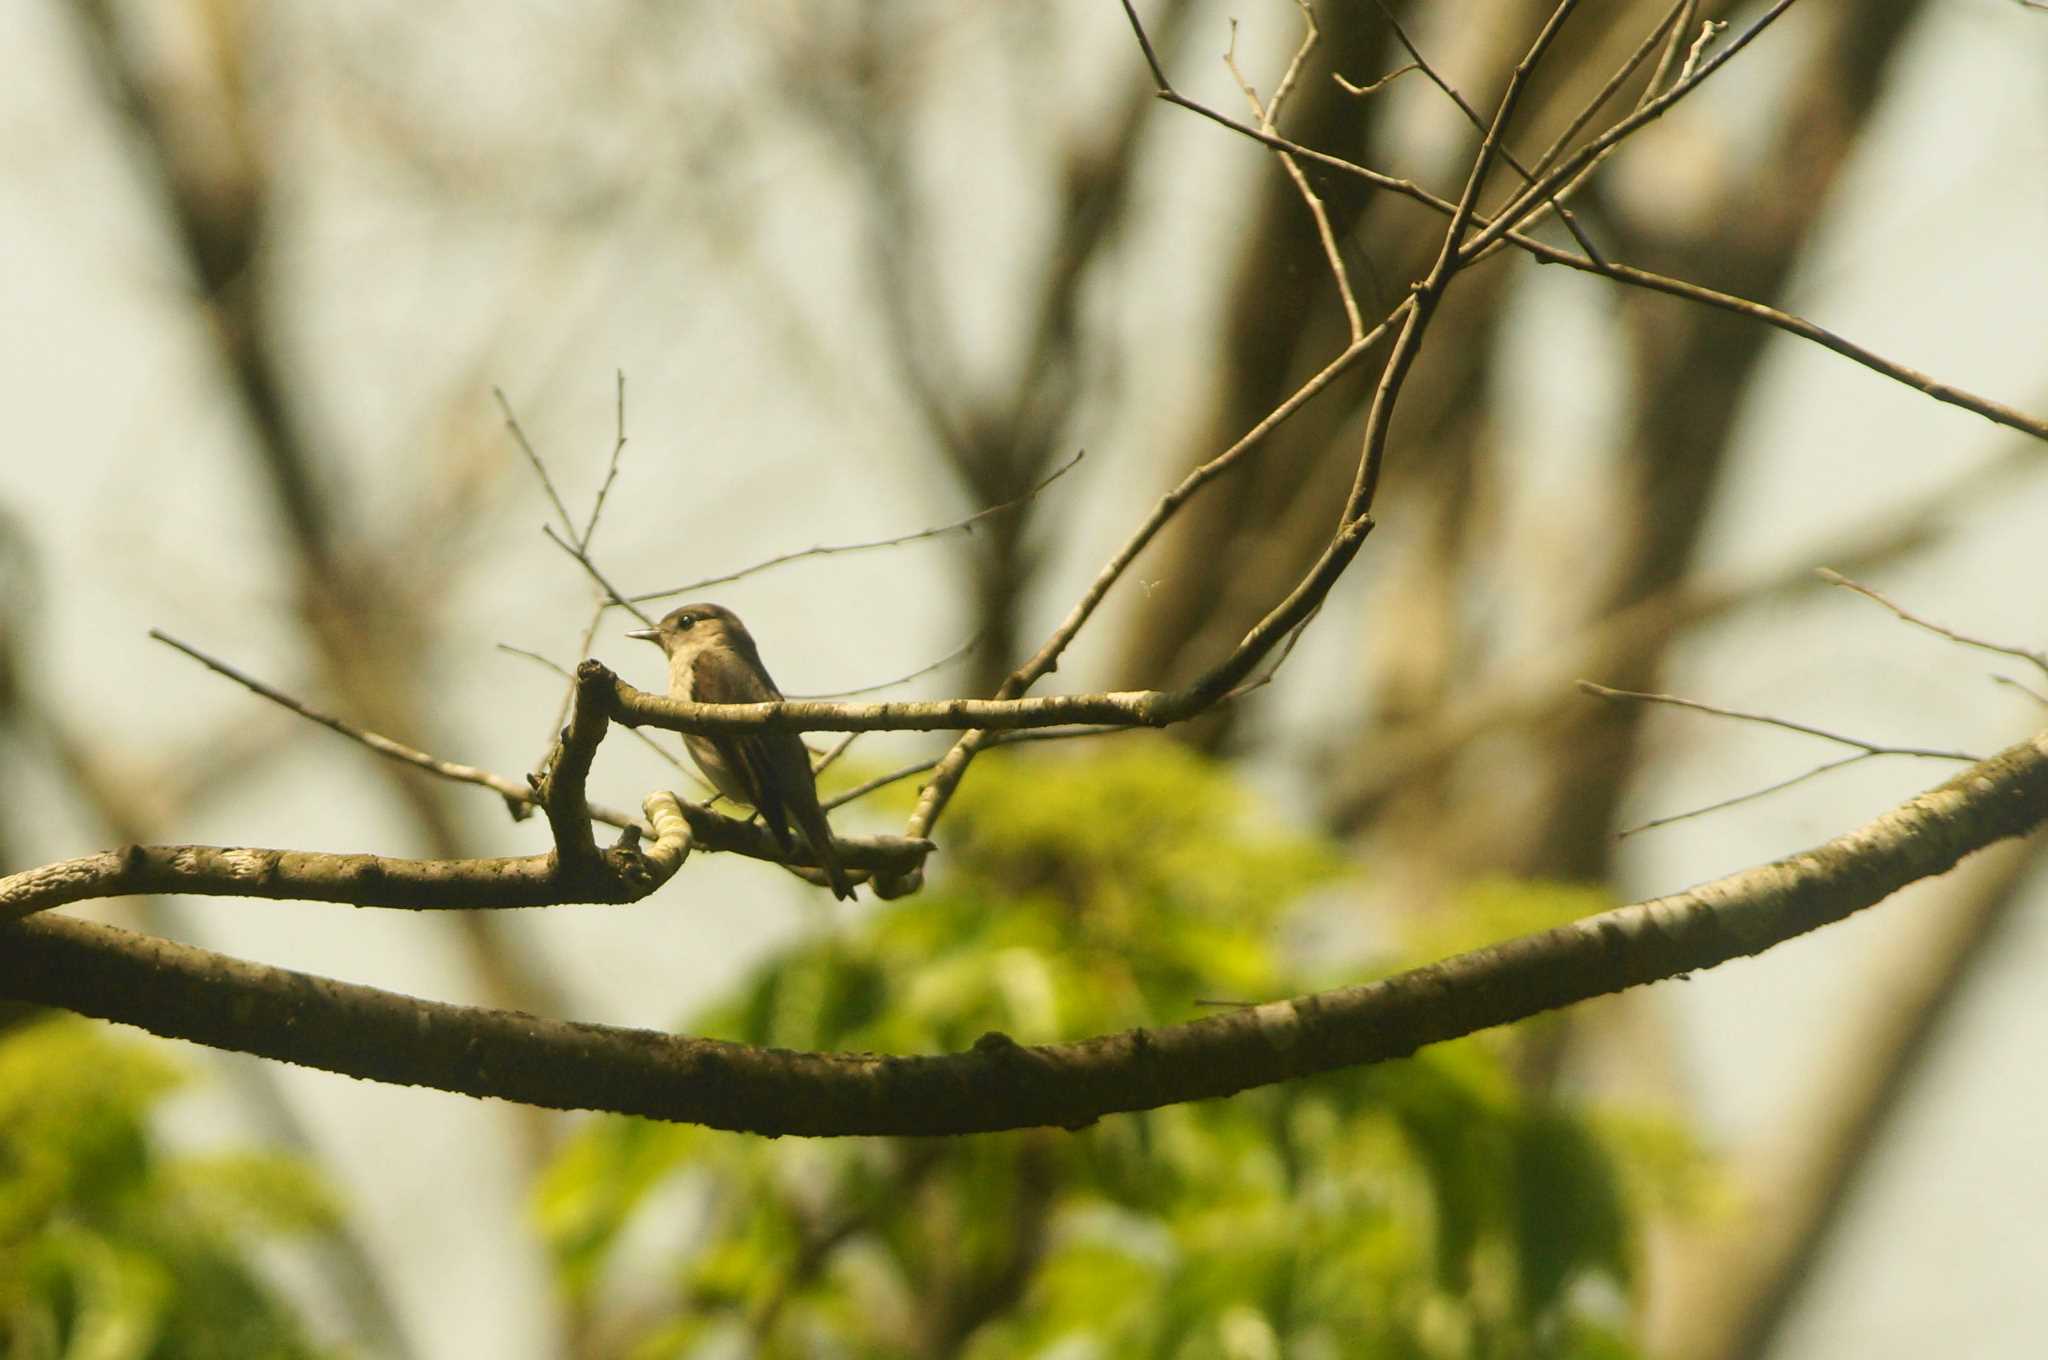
{"points": [[367, 596]]}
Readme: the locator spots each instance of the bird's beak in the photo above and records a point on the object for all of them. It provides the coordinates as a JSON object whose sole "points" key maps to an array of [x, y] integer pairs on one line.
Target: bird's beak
{"points": [[645, 634]]}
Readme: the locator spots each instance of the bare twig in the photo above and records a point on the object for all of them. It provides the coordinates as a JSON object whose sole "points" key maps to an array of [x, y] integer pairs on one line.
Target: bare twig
{"points": [[948, 659], [1376, 86], [1530, 688], [954, 764], [831, 757], [965, 525], [540, 469], [1267, 114], [583, 643], [611, 471], [1666, 27], [649, 742], [515, 793], [1864, 750], [1436, 78], [2039, 660], [1015, 737], [1680, 22], [583, 560], [1994, 411], [1569, 168], [880, 781], [1265, 677], [1159, 79], [1867, 747], [2036, 695], [1450, 258], [1740, 798]]}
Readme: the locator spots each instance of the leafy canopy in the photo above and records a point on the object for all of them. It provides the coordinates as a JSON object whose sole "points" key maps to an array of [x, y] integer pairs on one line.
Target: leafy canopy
{"points": [[1426, 1208], [109, 1247]]}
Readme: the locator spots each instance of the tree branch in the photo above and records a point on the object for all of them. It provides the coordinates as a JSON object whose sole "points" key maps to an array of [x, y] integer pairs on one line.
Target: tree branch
{"points": [[1998, 412], [182, 992], [575, 871]]}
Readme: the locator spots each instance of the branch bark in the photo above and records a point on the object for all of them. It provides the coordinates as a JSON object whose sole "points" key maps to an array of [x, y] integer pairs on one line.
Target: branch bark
{"points": [[181, 992]]}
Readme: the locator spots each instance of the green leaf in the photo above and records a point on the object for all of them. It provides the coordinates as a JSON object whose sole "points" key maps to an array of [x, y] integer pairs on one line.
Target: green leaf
{"points": [[1420, 1208]]}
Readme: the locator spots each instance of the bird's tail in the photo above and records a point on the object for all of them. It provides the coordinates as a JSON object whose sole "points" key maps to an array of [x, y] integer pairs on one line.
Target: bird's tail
{"points": [[818, 831]]}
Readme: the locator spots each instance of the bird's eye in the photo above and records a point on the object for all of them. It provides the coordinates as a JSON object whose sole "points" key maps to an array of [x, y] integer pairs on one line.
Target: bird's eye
{"points": [[685, 620]]}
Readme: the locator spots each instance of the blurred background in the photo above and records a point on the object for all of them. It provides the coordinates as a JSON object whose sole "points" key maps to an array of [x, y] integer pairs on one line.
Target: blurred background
{"points": [[866, 269]]}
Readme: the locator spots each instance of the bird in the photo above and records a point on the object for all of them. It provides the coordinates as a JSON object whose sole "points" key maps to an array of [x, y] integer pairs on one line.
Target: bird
{"points": [[712, 660]]}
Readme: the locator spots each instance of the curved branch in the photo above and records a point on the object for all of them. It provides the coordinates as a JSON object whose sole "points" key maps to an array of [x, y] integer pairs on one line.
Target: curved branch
{"points": [[182, 992]]}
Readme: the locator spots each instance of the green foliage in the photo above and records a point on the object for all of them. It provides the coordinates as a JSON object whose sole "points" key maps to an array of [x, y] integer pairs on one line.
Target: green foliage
{"points": [[1424, 1209], [110, 1250]]}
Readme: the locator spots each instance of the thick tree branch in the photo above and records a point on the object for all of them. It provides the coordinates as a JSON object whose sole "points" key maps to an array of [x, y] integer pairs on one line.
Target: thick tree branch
{"points": [[181, 992]]}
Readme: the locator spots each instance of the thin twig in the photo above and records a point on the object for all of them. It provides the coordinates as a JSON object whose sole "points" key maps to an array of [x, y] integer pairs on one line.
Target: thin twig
{"points": [[540, 469], [1048, 654], [1666, 27], [831, 757], [1423, 298], [1358, 91], [1265, 677], [582, 650], [1997, 412], [2039, 660], [1671, 29], [1864, 750], [1436, 78], [611, 472], [1268, 114], [1867, 747], [948, 659], [2036, 695], [1684, 14], [1530, 688], [1013, 738], [1311, 35], [583, 559], [1145, 45], [823, 550], [1458, 251], [511, 791], [1142, 708], [1531, 198], [1739, 798], [954, 765], [649, 742]]}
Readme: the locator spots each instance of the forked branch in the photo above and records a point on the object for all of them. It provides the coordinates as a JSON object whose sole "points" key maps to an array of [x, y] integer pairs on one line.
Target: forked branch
{"points": [[182, 992]]}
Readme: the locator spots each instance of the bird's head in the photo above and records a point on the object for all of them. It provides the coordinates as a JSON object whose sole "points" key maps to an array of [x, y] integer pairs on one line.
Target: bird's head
{"points": [[694, 627]]}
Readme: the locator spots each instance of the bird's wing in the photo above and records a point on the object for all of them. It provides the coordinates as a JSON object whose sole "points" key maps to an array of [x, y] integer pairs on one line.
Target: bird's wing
{"points": [[774, 765], [721, 677]]}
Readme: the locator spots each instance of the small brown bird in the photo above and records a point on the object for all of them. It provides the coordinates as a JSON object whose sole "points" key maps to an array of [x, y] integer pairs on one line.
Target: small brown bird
{"points": [[712, 660]]}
